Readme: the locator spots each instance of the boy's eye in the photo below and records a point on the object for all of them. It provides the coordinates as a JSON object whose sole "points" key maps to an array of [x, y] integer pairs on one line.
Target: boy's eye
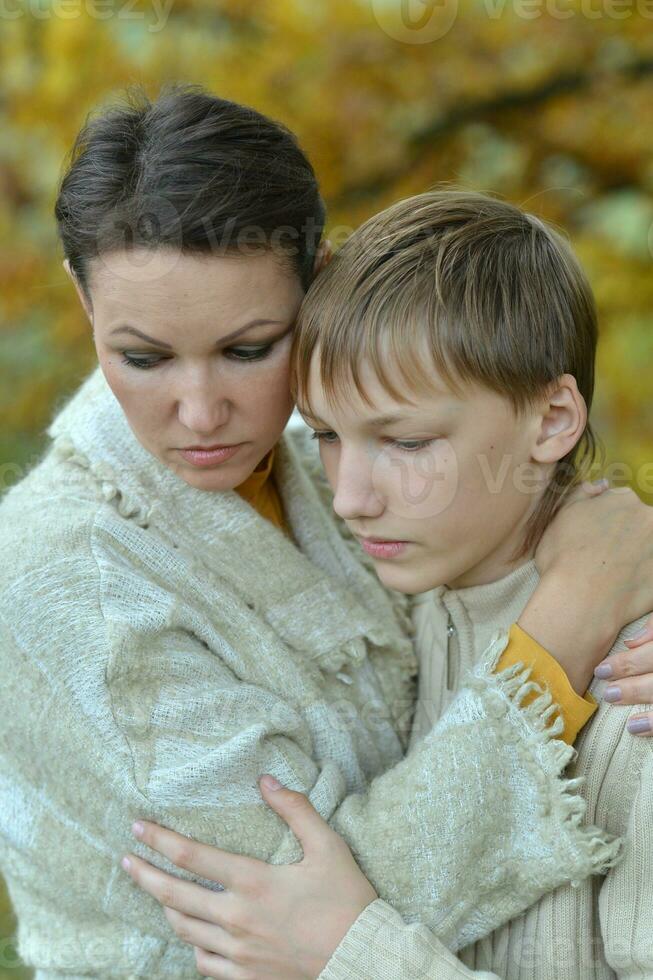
{"points": [[411, 445], [326, 436]]}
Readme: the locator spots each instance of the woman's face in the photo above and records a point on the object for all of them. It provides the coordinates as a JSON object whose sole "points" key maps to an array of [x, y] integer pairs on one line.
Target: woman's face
{"points": [[197, 355]]}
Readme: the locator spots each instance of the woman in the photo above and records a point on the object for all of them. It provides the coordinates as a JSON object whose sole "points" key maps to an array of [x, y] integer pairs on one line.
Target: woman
{"points": [[168, 641]]}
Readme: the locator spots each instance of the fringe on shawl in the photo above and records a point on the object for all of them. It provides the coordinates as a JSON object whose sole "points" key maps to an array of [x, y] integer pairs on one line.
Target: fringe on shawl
{"points": [[131, 508], [503, 693]]}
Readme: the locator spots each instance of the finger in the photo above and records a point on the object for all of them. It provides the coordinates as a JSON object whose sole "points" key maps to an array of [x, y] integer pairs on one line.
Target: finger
{"points": [[641, 725], [633, 662], [312, 832], [197, 932], [204, 860], [590, 489], [630, 690], [218, 967], [184, 896], [644, 635]]}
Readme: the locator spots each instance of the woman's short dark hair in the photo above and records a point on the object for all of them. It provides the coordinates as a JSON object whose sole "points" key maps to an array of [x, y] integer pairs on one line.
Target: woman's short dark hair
{"points": [[191, 171]]}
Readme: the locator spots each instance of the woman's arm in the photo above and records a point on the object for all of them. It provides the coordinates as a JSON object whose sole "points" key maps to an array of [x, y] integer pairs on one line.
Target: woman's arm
{"points": [[595, 560], [319, 917], [359, 949], [469, 829]]}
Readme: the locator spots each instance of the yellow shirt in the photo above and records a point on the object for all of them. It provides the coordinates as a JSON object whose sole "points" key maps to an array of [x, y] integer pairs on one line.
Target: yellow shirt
{"points": [[260, 491]]}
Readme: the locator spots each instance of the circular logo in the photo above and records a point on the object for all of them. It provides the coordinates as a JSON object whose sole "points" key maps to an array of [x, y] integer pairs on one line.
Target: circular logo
{"points": [[122, 241], [417, 485], [415, 21]]}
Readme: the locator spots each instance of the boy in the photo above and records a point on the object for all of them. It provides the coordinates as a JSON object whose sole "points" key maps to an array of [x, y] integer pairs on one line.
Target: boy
{"points": [[445, 360]]}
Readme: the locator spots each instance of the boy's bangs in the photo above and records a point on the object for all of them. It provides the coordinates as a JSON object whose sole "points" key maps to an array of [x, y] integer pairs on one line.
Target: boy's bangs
{"points": [[398, 347]]}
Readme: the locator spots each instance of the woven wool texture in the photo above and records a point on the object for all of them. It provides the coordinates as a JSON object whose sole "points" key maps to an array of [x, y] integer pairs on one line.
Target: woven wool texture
{"points": [[163, 646]]}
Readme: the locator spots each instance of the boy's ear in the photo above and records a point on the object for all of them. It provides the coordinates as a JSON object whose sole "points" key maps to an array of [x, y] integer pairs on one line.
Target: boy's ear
{"points": [[80, 292], [323, 256], [562, 421]]}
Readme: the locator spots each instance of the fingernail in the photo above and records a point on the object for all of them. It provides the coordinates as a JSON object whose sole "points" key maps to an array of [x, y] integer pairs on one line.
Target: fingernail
{"points": [[612, 694], [270, 782], [638, 725], [603, 671], [126, 863], [138, 829]]}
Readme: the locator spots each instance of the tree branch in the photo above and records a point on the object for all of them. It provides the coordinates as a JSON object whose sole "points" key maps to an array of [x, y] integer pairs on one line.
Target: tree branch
{"points": [[448, 122]]}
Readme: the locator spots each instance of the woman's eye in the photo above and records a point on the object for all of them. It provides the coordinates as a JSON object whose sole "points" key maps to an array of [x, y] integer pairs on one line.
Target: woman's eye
{"points": [[327, 436], [411, 445], [248, 353], [143, 363]]}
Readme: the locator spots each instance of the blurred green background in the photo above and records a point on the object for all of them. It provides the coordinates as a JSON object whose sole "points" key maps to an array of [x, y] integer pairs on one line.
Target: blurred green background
{"points": [[547, 102]]}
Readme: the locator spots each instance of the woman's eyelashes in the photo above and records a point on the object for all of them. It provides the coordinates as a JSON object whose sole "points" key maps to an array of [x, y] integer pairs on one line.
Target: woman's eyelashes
{"points": [[243, 354], [406, 445]]}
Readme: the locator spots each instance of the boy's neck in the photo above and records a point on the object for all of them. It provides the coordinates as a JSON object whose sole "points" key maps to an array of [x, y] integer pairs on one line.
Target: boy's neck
{"points": [[500, 562]]}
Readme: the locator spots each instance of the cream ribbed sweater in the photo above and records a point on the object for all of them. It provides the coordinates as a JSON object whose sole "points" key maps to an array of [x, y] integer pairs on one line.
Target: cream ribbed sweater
{"points": [[161, 647], [604, 928]]}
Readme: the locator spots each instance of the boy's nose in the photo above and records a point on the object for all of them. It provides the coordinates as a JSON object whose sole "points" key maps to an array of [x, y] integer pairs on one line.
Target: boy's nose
{"points": [[355, 495]]}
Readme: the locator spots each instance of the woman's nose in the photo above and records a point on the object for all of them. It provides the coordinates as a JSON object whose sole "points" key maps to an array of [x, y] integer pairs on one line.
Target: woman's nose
{"points": [[203, 409]]}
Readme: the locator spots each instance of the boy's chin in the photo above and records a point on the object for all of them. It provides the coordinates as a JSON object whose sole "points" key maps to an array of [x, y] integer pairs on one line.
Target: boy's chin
{"points": [[410, 581]]}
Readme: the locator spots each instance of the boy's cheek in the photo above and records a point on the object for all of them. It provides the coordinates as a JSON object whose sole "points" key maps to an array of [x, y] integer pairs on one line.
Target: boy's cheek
{"points": [[418, 486]]}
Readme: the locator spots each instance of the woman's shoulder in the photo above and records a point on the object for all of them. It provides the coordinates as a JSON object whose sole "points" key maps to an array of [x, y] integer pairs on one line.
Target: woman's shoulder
{"points": [[47, 522]]}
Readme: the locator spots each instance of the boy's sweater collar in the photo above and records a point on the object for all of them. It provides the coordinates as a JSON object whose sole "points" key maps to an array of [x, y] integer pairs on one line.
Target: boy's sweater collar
{"points": [[500, 601], [478, 613]]}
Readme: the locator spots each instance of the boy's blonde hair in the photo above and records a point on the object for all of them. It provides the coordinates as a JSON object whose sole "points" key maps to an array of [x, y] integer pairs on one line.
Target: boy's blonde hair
{"points": [[466, 284]]}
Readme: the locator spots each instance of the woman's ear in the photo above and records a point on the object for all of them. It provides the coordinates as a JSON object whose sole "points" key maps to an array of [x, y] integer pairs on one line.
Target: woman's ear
{"points": [[563, 420], [80, 292], [323, 256]]}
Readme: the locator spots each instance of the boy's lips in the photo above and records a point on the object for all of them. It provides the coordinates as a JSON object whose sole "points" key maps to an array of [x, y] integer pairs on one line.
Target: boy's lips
{"points": [[382, 547]]}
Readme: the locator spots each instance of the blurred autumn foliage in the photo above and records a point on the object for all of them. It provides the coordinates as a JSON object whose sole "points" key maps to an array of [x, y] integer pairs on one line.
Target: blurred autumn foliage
{"points": [[548, 103]]}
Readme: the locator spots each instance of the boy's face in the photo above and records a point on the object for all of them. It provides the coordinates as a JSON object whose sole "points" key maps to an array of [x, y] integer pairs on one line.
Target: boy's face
{"points": [[437, 491]]}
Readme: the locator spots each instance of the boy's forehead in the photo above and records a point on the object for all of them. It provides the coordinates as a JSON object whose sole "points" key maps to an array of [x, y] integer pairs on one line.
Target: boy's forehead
{"points": [[374, 407]]}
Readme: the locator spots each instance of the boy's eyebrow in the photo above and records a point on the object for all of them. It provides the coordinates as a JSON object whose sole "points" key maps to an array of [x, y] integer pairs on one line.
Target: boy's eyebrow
{"points": [[378, 422]]}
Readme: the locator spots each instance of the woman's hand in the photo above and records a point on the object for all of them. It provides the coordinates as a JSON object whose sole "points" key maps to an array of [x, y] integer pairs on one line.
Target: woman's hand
{"points": [[631, 680], [278, 922], [596, 567]]}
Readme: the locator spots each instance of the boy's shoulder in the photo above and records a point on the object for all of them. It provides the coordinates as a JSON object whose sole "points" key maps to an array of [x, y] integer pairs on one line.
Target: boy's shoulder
{"points": [[611, 760]]}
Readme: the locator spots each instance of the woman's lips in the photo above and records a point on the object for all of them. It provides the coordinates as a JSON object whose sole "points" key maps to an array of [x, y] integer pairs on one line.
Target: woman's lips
{"points": [[209, 457], [383, 549]]}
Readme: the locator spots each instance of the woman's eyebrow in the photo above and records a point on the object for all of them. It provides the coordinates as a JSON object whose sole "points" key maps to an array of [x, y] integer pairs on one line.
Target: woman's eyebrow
{"points": [[126, 328]]}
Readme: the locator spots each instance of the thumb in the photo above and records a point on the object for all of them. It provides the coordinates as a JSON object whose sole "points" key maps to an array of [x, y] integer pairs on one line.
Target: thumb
{"points": [[298, 812]]}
